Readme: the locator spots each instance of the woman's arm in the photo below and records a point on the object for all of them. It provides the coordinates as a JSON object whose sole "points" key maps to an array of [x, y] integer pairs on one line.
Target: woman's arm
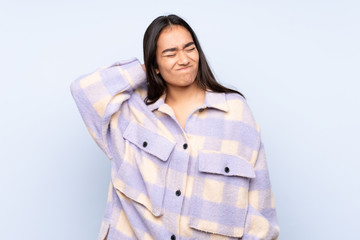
{"points": [[261, 221], [100, 94]]}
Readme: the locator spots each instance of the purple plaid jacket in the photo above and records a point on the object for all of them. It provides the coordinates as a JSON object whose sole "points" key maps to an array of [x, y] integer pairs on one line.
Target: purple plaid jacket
{"points": [[208, 181]]}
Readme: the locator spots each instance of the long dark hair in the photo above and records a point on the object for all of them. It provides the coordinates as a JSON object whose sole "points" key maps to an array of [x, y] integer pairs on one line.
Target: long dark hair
{"points": [[156, 85]]}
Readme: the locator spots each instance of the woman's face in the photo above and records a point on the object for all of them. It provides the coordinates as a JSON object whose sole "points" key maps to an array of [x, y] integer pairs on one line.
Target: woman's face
{"points": [[177, 57]]}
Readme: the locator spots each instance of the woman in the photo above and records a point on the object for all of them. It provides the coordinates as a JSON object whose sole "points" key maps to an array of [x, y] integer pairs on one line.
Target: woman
{"points": [[187, 159]]}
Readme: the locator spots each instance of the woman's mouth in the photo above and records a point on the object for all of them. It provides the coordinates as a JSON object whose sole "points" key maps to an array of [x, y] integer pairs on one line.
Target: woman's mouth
{"points": [[184, 68]]}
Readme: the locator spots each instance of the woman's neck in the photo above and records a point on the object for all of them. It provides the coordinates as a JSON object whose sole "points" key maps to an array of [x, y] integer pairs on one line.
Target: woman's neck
{"points": [[184, 95]]}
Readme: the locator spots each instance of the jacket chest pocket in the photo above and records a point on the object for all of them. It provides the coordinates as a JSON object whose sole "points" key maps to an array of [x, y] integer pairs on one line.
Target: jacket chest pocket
{"points": [[142, 173], [219, 199]]}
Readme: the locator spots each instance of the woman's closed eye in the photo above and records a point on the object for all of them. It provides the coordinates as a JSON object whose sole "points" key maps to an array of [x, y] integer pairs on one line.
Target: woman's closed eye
{"points": [[170, 55], [173, 54]]}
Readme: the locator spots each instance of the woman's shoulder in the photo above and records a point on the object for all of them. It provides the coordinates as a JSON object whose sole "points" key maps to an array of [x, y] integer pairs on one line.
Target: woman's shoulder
{"points": [[239, 108], [231, 96], [236, 100]]}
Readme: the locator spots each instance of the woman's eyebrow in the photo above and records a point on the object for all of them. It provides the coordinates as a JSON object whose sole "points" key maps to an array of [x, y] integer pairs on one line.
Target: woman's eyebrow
{"points": [[174, 49], [188, 44], [169, 50]]}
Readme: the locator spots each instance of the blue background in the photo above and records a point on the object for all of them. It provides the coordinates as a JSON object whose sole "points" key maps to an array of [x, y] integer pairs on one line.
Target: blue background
{"points": [[297, 62]]}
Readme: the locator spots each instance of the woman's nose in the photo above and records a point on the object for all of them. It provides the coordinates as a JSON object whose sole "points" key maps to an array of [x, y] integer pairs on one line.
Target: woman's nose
{"points": [[183, 58]]}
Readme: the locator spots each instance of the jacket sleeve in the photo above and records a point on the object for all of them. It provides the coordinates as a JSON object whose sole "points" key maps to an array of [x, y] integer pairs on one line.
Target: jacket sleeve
{"points": [[100, 94], [261, 221]]}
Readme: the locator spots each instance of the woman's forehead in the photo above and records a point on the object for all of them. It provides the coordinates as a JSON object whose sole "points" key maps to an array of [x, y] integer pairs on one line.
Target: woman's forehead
{"points": [[174, 36]]}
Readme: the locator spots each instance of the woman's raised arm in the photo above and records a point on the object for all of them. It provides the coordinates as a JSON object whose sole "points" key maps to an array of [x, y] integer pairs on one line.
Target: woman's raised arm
{"points": [[100, 94]]}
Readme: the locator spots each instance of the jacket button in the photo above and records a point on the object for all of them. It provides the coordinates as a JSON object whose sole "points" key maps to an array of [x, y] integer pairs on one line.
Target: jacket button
{"points": [[201, 110], [173, 237], [227, 169], [144, 144], [178, 193], [185, 146]]}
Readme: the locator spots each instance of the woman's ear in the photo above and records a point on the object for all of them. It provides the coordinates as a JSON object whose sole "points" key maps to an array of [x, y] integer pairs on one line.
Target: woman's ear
{"points": [[157, 71]]}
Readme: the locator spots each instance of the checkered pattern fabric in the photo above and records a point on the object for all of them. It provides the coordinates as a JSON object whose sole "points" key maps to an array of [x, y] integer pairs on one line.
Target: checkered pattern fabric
{"points": [[208, 181]]}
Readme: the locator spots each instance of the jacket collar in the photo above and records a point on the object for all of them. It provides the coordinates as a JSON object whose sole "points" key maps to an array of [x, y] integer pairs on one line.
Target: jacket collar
{"points": [[212, 100]]}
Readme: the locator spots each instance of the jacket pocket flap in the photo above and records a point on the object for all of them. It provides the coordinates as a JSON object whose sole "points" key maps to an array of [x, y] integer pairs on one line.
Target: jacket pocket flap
{"points": [[149, 141], [225, 164]]}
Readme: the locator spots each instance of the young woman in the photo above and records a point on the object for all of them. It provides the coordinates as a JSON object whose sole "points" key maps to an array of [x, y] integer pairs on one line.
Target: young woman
{"points": [[186, 154]]}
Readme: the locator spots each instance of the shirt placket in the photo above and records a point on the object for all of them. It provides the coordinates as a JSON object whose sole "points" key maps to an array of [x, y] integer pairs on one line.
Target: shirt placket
{"points": [[177, 177]]}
